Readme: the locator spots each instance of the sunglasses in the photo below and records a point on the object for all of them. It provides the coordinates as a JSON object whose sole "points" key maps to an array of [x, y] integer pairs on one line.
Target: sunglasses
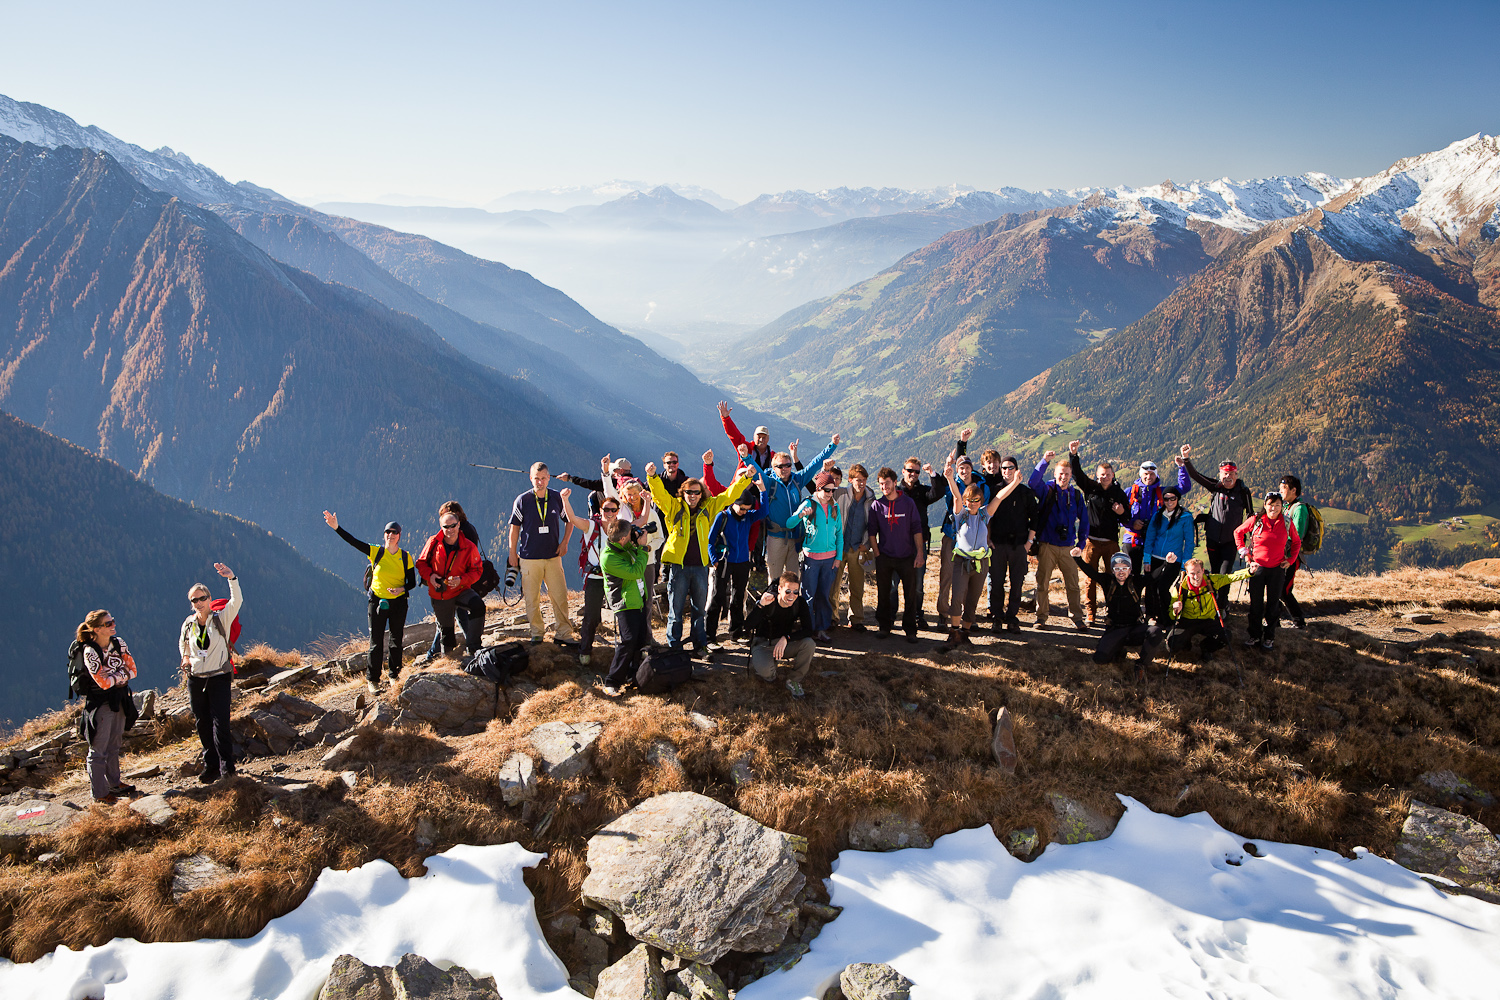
{"points": [[1009, 468], [1148, 468], [609, 510], [670, 461], [782, 465], [393, 532], [913, 471], [198, 600], [108, 624], [449, 527]]}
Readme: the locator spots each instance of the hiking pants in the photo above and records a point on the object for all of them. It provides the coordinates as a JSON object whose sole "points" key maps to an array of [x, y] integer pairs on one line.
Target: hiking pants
{"points": [[1214, 636], [966, 583], [726, 596], [855, 569], [1097, 551], [472, 622], [394, 619], [209, 700], [1006, 559], [817, 579], [781, 555], [593, 612], [1221, 559], [1060, 558], [891, 572], [687, 591], [634, 635], [103, 761], [534, 574], [1113, 642], [1159, 588], [945, 578], [1265, 602], [436, 649], [1137, 554], [799, 654], [1293, 608]]}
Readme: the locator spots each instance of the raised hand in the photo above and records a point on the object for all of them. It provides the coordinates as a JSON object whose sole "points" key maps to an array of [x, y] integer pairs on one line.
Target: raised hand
{"points": [[1119, 508], [650, 469], [1187, 451], [835, 439], [565, 493], [331, 519], [723, 409], [604, 463], [927, 467], [1073, 447], [759, 483], [767, 599], [743, 472], [1048, 455], [791, 450], [744, 450], [708, 457], [223, 570], [565, 477], [965, 434]]}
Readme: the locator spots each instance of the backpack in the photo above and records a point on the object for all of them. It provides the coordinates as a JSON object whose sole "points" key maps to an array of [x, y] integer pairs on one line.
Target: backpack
{"points": [[1313, 540], [369, 574], [489, 579], [588, 548], [219, 604], [499, 663], [662, 669]]}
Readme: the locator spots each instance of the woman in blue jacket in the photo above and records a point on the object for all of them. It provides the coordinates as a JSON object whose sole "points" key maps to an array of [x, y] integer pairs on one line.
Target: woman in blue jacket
{"points": [[822, 551], [1171, 537]]}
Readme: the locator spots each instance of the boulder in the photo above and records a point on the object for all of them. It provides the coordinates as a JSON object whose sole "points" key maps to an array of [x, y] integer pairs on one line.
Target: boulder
{"points": [[332, 722], [637, 976], [195, 872], [340, 755], [564, 747], [154, 808], [872, 981], [294, 676], [693, 877], [449, 701], [412, 978], [1449, 788], [145, 703], [889, 831], [352, 979], [697, 982], [1077, 823], [588, 952], [379, 716], [1023, 844], [295, 710], [142, 773], [518, 779], [32, 813], [1438, 842], [274, 731]]}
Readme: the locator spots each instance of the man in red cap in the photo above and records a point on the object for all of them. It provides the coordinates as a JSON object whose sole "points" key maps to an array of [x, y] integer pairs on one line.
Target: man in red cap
{"points": [[1232, 505]]}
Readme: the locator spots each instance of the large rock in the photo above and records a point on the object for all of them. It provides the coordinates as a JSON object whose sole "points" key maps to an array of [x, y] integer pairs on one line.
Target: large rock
{"points": [[698, 982], [274, 731], [1003, 742], [518, 779], [637, 976], [412, 978], [155, 808], [1449, 788], [449, 701], [890, 831], [695, 878], [1078, 823], [1439, 842], [341, 753], [31, 813], [195, 872], [565, 747], [871, 981]]}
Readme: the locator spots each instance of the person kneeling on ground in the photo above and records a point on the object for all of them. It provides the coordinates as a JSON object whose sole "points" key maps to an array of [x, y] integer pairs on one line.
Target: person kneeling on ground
{"points": [[1122, 601], [624, 561], [1195, 603], [781, 624]]}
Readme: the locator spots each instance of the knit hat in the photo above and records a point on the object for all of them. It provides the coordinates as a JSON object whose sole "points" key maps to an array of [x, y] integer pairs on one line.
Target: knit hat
{"points": [[822, 479], [1171, 491]]}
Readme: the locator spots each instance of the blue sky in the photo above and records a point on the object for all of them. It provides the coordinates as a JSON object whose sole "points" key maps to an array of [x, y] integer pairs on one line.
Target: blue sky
{"points": [[468, 101]]}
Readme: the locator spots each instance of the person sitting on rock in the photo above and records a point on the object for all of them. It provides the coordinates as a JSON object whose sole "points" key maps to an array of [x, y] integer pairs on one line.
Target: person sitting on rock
{"points": [[1195, 603], [781, 624], [1122, 601]]}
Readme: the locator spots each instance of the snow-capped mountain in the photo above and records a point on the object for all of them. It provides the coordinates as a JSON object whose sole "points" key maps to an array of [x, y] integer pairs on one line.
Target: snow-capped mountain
{"points": [[1243, 206], [559, 199]]}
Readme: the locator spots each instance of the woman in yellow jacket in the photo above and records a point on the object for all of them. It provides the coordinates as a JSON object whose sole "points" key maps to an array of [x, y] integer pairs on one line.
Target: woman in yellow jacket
{"points": [[688, 517]]}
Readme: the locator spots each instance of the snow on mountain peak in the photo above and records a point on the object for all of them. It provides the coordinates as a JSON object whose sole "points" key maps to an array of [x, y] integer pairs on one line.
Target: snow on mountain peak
{"points": [[1241, 205], [1440, 194]]}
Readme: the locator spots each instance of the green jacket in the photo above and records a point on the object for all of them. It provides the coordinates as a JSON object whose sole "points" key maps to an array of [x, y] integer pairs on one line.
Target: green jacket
{"points": [[1199, 605], [624, 571], [1300, 516]]}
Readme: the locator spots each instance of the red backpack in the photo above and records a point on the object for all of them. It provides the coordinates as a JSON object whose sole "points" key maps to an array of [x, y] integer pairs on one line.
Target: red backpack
{"points": [[219, 604]]}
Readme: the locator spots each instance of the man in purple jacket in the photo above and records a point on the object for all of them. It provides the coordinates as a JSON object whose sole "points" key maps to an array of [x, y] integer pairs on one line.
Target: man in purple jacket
{"points": [[1064, 525], [897, 536]]}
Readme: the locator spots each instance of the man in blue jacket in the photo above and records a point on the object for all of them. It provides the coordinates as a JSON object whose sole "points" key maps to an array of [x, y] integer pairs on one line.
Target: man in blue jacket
{"points": [[783, 497], [729, 556], [1064, 525]]}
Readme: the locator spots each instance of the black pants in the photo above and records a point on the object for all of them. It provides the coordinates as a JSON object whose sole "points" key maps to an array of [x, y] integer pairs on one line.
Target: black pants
{"points": [[634, 630], [1137, 554], [1215, 637], [209, 699], [1221, 559], [891, 572], [1113, 642], [393, 618], [1006, 558], [473, 625], [593, 613], [1159, 588], [726, 596], [1265, 602], [1293, 607]]}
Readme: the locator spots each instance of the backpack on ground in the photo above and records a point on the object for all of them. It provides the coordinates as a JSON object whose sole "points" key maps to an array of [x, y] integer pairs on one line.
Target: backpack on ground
{"points": [[499, 663], [1313, 540], [370, 569], [663, 669], [233, 636]]}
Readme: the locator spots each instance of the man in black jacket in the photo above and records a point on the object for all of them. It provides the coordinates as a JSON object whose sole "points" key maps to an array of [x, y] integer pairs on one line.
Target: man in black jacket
{"points": [[1233, 505], [1106, 503], [781, 626], [1012, 529], [924, 495]]}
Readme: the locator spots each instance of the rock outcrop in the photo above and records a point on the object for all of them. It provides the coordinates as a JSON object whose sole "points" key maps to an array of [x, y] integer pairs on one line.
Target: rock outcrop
{"points": [[565, 747], [871, 981], [412, 978], [889, 831], [637, 976], [693, 877], [1439, 842], [451, 702], [1078, 823]]}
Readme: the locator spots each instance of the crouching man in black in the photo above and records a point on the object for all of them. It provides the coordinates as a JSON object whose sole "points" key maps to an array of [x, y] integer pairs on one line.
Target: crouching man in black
{"points": [[1124, 626], [781, 627]]}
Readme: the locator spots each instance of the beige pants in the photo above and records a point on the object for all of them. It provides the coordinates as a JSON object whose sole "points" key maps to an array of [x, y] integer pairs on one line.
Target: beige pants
{"points": [[945, 578], [535, 573], [781, 556], [799, 656], [856, 572], [1058, 557]]}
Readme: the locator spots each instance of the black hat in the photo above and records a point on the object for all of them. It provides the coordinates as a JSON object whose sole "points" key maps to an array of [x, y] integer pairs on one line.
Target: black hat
{"points": [[1174, 491], [393, 526]]}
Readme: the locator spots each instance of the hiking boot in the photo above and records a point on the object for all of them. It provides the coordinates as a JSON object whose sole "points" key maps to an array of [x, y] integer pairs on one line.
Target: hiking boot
{"points": [[1079, 625], [921, 620], [106, 800], [424, 658], [954, 640], [372, 687], [536, 640], [823, 636], [963, 636], [1253, 641], [911, 637], [1299, 623], [857, 627], [885, 631], [795, 689], [207, 777], [123, 789], [1041, 624], [611, 691], [1014, 625], [1093, 620], [1267, 644]]}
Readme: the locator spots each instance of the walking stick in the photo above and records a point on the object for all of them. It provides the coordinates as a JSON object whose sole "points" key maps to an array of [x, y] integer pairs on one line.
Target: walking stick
{"points": [[496, 468]]}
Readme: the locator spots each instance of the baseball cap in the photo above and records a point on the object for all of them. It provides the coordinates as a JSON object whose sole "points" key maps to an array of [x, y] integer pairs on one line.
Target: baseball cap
{"points": [[1148, 465], [763, 429], [620, 465], [393, 526]]}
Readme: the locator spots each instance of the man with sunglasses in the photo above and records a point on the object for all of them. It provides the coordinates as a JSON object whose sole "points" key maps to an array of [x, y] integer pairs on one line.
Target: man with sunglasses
{"points": [[392, 576], [1145, 499], [924, 495], [784, 485], [1013, 528], [450, 565], [204, 645], [538, 540]]}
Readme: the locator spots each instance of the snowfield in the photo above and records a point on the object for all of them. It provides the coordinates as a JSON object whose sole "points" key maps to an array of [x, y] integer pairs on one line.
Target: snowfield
{"points": [[1166, 907]]}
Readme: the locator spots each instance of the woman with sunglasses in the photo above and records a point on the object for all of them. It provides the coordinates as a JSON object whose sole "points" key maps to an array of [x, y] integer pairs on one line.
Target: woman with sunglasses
{"points": [[100, 669], [204, 644], [391, 577], [1171, 537], [822, 549], [594, 531]]}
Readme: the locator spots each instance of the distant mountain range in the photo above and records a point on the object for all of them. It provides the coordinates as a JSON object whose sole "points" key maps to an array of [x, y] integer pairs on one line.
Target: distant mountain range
{"points": [[110, 541]]}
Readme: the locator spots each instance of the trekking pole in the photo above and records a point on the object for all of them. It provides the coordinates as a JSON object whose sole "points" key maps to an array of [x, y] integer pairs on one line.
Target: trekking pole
{"points": [[496, 468]]}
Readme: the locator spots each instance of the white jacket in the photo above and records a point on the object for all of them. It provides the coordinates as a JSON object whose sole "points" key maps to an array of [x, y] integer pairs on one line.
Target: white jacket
{"points": [[208, 651]]}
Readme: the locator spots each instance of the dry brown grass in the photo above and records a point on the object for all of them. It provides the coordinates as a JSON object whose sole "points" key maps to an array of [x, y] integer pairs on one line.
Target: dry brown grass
{"points": [[264, 657], [1321, 746], [41, 726], [1447, 589]]}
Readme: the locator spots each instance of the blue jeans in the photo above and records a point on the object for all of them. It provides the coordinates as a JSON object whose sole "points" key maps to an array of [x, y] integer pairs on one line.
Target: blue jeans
{"points": [[817, 581], [685, 583]]}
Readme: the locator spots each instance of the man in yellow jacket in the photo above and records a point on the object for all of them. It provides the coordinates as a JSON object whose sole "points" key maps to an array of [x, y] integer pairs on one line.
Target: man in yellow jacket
{"points": [[688, 517]]}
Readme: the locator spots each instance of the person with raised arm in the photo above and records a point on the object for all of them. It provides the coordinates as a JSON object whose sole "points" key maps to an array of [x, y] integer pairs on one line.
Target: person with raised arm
{"points": [[208, 665], [729, 555], [1171, 537], [896, 535], [393, 575], [636, 505], [970, 551], [966, 475], [822, 550], [593, 532], [781, 624], [539, 537], [1107, 505], [1122, 602], [1144, 500], [623, 561], [614, 472], [1269, 543], [783, 497], [1062, 524], [1012, 530], [924, 495], [1232, 505]]}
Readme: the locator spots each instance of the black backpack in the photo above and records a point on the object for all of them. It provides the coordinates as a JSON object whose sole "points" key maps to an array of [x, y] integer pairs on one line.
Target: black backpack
{"points": [[489, 579], [499, 663], [663, 669], [375, 561]]}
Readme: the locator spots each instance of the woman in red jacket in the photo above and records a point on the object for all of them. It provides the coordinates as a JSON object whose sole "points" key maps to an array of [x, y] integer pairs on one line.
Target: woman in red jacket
{"points": [[1269, 543]]}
